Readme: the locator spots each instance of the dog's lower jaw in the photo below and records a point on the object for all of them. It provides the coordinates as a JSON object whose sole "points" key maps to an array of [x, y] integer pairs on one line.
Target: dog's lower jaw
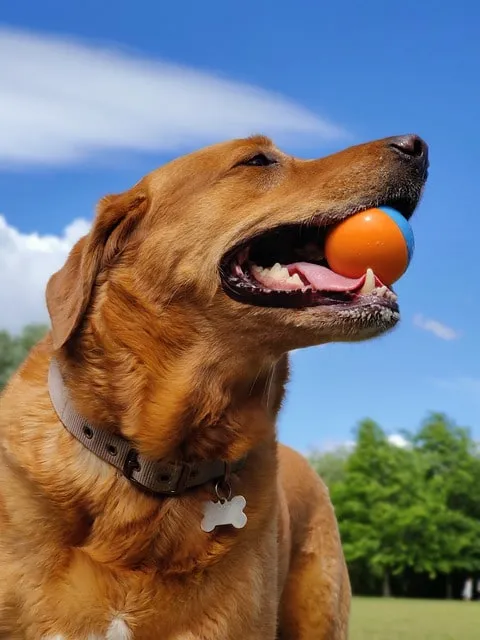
{"points": [[306, 331], [276, 331]]}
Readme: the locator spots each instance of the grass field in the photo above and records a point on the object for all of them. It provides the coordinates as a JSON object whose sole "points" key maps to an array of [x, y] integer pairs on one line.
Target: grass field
{"points": [[392, 619]]}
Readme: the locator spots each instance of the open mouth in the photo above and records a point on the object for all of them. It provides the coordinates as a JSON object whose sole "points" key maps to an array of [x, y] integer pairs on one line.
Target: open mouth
{"points": [[286, 267]]}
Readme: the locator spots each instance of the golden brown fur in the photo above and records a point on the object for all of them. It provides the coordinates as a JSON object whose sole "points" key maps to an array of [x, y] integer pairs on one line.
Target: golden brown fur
{"points": [[150, 347]]}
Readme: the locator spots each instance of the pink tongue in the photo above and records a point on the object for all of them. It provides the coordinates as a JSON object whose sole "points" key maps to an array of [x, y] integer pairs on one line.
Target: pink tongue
{"points": [[324, 279]]}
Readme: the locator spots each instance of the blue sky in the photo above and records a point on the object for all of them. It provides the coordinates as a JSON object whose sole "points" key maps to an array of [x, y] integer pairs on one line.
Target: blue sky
{"points": [[331, 74]]}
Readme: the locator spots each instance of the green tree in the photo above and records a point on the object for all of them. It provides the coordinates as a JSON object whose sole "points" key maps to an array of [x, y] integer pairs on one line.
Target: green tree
{"points": [[452, 462], [14, 349], [331, 465], [376, 487], [451, 467], [412, 508]]}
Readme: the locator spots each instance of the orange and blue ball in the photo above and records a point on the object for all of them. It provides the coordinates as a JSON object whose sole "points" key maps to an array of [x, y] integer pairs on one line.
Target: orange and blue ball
{"points": [[380, 239]]}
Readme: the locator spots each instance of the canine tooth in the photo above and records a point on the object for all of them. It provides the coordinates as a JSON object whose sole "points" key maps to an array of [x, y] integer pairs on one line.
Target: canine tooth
{"points": [[369, 284]]}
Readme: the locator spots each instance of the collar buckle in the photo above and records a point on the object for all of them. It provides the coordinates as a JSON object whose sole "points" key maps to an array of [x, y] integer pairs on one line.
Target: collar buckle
{"points": [[183, 479], [131, 465]]}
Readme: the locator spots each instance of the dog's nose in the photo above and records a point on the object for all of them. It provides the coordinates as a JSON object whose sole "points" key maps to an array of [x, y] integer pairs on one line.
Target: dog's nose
{"points": [[412, 148]]}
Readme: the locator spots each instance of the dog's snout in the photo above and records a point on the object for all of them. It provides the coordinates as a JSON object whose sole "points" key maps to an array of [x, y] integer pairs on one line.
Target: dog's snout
{"points": [[412, 148]]}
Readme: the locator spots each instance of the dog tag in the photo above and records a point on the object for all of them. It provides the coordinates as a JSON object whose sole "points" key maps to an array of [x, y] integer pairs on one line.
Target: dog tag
{"points": [[224, 512]]}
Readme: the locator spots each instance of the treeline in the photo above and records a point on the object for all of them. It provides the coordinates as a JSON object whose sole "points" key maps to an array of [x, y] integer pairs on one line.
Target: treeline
{"points": [[409, 515], [14, 349]]}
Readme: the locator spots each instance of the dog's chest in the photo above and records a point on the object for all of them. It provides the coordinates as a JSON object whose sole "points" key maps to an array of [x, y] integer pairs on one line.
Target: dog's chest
{"points": [[118, 629], [107, 608], [94, 601], [97, 611]]}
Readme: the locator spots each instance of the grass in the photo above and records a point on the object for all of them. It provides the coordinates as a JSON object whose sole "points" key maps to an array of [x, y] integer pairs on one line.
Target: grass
{"points": [[392, 619]]}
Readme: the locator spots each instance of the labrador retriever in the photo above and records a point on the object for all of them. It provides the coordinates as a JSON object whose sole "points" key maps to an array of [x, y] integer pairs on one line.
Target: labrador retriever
{"points": [[143, 494]]}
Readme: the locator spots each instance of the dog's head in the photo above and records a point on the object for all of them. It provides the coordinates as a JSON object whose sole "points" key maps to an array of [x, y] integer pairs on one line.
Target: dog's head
{"points": [[198, 236]]}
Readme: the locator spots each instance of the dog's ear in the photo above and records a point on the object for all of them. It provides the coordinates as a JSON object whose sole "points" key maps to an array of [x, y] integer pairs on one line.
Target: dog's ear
{"points": [[69, 290]]}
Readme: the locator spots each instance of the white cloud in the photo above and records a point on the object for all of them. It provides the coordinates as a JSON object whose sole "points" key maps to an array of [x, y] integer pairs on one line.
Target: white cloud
{"points": [[438, 329], [63, 101], [331, 446], [398, 440], [26, 263], [347, 446]]}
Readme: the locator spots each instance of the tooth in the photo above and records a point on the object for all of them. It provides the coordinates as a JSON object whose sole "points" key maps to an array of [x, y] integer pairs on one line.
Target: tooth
{"points": [[277, 272], [369, 284], [295, 279], [382, 291]]}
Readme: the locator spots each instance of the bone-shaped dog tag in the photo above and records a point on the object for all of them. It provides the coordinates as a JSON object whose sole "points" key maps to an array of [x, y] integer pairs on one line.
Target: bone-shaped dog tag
{"points": [[224, 512]]}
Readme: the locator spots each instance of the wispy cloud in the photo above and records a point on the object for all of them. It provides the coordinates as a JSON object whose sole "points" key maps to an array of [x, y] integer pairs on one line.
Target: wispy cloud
{"points": [[440, 330], [62, 101], [26, 263], [347, 446], [460, 384]]}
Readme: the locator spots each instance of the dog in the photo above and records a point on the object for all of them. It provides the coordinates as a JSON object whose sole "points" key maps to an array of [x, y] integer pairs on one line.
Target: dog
{"points": [[143, 494]]}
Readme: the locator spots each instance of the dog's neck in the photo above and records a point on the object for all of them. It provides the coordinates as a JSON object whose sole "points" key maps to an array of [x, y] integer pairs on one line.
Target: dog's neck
{"points": [[192, 402], [183, 406]]}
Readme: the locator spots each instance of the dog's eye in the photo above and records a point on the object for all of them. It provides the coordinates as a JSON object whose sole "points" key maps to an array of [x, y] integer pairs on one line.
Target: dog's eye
{"points": [[260, 160]]}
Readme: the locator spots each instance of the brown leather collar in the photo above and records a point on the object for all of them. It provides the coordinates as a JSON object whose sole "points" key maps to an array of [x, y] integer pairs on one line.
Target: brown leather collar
{"points": [[151, 475]]}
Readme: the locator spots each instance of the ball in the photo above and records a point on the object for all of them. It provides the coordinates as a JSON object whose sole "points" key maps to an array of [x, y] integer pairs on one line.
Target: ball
{"points": [[379, 238]]}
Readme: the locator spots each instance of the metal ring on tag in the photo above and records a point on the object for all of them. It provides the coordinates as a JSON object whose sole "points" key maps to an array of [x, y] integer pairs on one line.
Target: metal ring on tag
{"points": [[223, 496]]}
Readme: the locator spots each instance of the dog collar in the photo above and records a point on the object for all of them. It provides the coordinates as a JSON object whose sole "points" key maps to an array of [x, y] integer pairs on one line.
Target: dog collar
{"points": [[150, 475]]}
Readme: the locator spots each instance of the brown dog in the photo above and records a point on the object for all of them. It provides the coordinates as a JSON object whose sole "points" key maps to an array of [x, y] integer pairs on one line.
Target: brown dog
{"points": [[169, 337]]}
